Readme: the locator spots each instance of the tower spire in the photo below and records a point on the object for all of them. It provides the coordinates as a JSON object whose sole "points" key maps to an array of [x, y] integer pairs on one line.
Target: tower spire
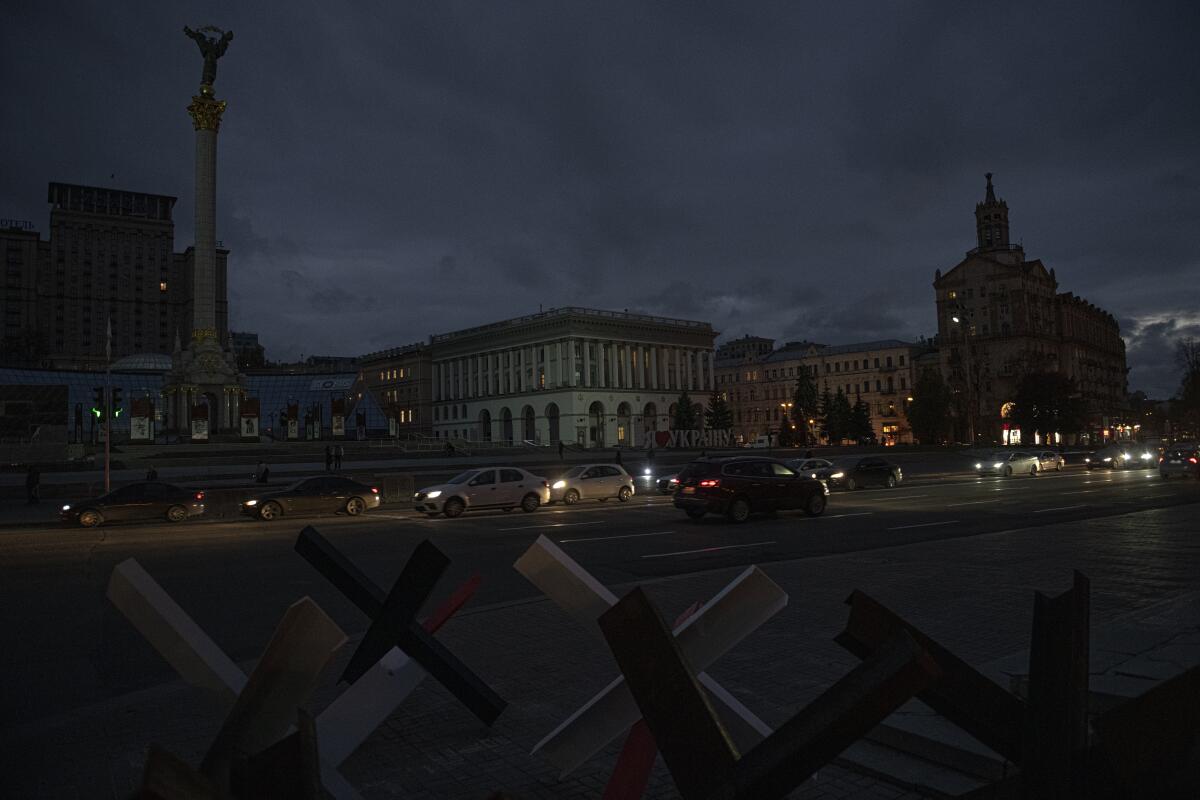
{"points": [[991, 220], [991, 192]]}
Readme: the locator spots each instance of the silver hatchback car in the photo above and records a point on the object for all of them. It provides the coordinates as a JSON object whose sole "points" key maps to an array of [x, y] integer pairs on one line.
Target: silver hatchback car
{"points": [[592, 482], [1004, 463], [491, 487]]}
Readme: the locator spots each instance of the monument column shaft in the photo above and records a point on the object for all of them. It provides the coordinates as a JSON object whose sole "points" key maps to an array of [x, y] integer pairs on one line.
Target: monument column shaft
{"points": [[204, 257]]}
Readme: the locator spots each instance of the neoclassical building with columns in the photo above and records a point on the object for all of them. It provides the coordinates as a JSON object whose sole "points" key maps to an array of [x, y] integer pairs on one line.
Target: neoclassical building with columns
{"points": [[578, 375]]}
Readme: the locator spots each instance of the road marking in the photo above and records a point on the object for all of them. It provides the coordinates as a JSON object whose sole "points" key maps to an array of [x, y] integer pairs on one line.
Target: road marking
{"points": [[896, 496], [924, 525], [706, 550], [622, 536], [971, 503], [412, 518], [839, 516], [1062, 508], [1085, 491], [554, 525]]}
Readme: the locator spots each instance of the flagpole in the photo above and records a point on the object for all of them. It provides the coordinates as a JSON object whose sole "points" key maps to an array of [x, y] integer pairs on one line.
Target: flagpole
{"points": [[108, 409]]}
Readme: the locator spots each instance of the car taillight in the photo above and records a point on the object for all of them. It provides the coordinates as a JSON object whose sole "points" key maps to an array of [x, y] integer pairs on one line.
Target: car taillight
{"points": [[709, 483], [1160, 459], [1192, 460], [546, 484], [374, 490], [199, 495]]}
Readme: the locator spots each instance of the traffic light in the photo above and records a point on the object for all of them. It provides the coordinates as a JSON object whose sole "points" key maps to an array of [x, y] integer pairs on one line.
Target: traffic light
{"points": [[116, 401], [98, 402]]}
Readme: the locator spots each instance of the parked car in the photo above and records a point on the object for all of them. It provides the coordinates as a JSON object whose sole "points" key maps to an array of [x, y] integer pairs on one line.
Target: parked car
{"points": [[853, 472], [1050, 460], [1005, 463], [666, 484], [1130, 455], [325, 494], [592, 482], [808, 466], [145, 500], [494, 487], [1180, 459], [739, 486], [760, 442]]}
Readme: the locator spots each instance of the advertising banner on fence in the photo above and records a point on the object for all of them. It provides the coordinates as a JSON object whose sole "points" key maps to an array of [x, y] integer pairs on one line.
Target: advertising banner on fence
{"points": [[248, 411], [200, 423], [339, 426], [139, 429], [689, 439]]}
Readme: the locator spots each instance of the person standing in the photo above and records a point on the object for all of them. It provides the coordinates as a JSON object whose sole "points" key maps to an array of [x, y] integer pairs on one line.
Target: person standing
{"points": [[33, 483], [560, 450], [328, 458], [262, 472], [337, 457], [618, 456]]}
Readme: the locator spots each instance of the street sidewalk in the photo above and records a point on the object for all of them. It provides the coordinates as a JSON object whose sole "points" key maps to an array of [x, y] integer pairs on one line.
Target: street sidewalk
{"points": [[973, 594]]}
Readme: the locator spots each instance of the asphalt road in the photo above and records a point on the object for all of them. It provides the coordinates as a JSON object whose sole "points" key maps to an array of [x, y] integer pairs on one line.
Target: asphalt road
{"points": [[66, 647]]}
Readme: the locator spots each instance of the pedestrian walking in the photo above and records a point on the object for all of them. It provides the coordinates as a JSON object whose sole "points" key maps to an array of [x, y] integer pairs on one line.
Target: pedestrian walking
{"points": [[449, 450], [33, 484], [618, 456], [261, 472], [328, 458], [152, 473], [337, 457], [560, 450]]}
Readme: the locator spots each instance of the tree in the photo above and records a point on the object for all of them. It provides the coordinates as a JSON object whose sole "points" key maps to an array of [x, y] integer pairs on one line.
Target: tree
{"points": [[805, 405], [929, 411], [835, 416], [717, 416], [685, 415], [1047, 403], [860, 428], [787, 435]]}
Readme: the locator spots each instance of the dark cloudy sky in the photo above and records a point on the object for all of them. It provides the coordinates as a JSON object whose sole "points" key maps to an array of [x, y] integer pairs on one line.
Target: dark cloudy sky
{"points": [[389, 170]]}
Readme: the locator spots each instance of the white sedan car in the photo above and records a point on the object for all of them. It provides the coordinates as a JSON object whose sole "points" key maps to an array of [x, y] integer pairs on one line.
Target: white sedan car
{"points": [[592, 482], [1004, 463], [808, 466], [492, 487]]}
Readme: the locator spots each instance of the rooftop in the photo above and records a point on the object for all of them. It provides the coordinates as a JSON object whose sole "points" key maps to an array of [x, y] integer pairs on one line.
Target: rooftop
{"points": [[570, 311]]}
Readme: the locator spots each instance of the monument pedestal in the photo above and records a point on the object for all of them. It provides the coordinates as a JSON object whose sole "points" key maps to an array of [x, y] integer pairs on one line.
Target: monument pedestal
{"points": [[203, 374]]}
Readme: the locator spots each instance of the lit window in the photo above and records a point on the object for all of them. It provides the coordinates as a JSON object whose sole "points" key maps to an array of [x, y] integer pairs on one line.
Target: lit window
{"points": [[162, 286], [953, 294]]}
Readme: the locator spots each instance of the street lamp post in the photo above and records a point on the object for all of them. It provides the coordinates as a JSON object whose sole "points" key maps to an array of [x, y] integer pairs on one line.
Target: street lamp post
{"points": [[972, 401]]}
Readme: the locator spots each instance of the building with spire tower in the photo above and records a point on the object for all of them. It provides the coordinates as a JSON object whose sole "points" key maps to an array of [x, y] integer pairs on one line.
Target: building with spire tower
{"points": [[1001, 317], [203, 391]]}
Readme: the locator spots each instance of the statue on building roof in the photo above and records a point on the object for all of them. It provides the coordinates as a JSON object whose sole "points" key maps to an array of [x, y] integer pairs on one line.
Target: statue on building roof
{"points": [[210, 48]]}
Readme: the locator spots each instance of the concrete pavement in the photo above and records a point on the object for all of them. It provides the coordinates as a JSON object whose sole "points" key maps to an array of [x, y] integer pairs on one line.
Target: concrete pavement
{"points": [[969, 585]]}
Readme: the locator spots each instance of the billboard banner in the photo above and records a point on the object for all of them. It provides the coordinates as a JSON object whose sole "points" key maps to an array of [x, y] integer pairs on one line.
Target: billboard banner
{"points": [[249, 427], [293, 428], [199, 430], [139, 429], [339, 425]]}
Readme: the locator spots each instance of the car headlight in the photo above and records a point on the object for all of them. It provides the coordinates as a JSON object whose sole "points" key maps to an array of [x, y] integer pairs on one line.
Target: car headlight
{"points": [[434, 494], [67, 507], [1146, 456], [646, 472], [251, 503], [1108, 458], [838, 475], [558, 485], [979, 466], [998, 465], [1087, 460]]}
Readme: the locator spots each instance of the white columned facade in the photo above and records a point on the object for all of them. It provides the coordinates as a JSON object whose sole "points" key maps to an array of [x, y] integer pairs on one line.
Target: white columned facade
{"points": [[689, 374], [653, 367], [601, 377]]}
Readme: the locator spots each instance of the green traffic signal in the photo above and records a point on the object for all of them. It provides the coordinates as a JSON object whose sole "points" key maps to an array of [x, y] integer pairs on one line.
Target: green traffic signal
{"points": [[97, 412]]}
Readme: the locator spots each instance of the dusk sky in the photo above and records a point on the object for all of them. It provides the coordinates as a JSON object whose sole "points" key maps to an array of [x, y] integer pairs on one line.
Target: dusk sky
{"points": [[792, 170]]}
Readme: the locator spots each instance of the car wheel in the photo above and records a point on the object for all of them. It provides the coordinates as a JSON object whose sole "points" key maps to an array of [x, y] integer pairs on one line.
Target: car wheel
{"points": [[815, 506], [739, 510], [1007, 471], [695, 513], [624, 494], [453, 507], [355, 506], [530, 503], [90, 519], [1058, 467], [851, 484], [269, 511], [571, 497], [1033, 471], [890, 482], [176, 513]]}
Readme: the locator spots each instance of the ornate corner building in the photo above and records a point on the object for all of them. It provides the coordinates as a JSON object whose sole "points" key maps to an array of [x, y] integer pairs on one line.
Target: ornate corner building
{"points": [[1001, 317]]}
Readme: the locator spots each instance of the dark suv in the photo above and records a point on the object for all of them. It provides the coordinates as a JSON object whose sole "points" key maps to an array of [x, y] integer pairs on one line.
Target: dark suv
{"points": [[1181, 459], [741, 485]]}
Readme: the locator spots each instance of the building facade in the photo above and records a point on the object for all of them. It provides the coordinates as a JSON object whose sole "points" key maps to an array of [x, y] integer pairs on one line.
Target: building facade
{"points": [[579, 375], [401, 381], [110, 255], [1001, 317], [759, 384]]}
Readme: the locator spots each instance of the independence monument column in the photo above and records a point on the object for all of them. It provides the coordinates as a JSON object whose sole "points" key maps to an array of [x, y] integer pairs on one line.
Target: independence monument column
{"points": [[205, 372]]}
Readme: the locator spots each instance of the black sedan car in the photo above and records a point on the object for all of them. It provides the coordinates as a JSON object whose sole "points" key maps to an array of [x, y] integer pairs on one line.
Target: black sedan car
{"points": [[325, 494], [666, 484], [739, 486], [853, 472], [137, 501]]}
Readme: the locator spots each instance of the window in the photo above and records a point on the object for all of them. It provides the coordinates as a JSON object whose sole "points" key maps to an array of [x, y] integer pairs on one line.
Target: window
{"points": [[902, 361], [953, 295], [511, 476], [903, 383], [889, 361], [162, 286], [866, 386], [877, 363]]}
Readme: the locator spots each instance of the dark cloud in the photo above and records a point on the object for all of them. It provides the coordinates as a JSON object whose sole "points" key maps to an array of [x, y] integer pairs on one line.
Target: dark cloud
{"points": [[789, 170]]}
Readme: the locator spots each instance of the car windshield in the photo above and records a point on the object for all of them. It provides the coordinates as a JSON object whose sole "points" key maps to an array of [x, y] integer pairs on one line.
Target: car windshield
{"points": [[575, 472], [303, 483], [464, 477]]}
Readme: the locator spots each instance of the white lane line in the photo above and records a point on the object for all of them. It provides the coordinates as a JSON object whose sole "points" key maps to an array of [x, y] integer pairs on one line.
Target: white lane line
{"points": [[1085, 491], [555, 525], [706, 550], [924, 525], [895, 496], [412, 518], [622, 536], [1062, 508], [971, 503], [840, 516]]}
